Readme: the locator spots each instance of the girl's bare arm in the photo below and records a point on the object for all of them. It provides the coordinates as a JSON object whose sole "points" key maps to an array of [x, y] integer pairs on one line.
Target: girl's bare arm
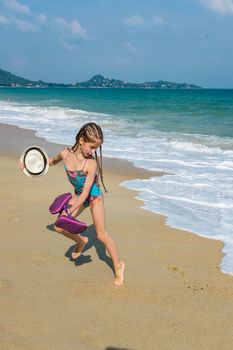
{"points": [[56, 159]]}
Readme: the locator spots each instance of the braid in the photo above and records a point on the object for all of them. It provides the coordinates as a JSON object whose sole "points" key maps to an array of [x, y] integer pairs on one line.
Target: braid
{"points": [[90, 132], [100, 168], [78, 137]]}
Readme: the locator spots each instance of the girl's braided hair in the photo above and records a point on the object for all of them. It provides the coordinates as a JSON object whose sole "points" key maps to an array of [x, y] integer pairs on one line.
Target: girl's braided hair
{"points": [[90, 132]]}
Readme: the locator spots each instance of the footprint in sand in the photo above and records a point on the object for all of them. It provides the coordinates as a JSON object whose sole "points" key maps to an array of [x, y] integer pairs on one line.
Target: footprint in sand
{"points": [[4, 285], [175, 269], [199, 286]]}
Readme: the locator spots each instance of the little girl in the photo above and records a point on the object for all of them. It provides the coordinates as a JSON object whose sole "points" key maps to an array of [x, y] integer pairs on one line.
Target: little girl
{"points": [[82, 166]]}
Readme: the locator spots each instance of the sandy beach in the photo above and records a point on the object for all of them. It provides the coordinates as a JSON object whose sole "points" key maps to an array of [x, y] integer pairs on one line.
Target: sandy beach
{"points": [[174, 298]]}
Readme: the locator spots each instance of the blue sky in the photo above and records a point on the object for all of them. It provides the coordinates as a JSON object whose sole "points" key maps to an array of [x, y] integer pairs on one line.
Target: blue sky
{"points": [[132, 40]]}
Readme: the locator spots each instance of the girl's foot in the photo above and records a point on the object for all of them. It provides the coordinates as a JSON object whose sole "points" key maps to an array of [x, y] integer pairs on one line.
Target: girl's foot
{"points": [[119, 274], [79, 247]]}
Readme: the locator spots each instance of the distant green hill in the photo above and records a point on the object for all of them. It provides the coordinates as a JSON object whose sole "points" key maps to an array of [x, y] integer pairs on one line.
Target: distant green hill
{"points": [[98, 81], [9, 79]]}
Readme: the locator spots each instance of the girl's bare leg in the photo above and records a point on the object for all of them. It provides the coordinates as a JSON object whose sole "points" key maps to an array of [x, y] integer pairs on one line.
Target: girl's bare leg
{"points": [[80, 240], [79, 247], [97, 210]]}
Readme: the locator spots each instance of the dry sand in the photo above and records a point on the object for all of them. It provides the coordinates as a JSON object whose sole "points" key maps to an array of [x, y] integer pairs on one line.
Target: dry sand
{"points": [[174, 298]]}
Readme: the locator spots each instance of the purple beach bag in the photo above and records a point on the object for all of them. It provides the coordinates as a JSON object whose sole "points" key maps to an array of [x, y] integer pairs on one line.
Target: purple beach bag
{"points": [[68, 223], [60, 203]]}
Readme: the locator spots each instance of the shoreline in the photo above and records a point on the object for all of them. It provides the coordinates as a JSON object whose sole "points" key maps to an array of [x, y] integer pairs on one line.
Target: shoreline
{"points": [[174, 290], [125, 169]]}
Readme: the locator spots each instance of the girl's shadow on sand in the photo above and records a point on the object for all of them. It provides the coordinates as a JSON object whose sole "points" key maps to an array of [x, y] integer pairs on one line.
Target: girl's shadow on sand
{"points": [[90, 233]]}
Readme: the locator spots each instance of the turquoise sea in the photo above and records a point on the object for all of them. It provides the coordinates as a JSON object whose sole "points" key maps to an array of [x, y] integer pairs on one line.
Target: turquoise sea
{"points": [[188, 134]]}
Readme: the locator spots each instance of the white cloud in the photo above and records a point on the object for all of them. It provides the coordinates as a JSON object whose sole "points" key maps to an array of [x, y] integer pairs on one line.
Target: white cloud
{"points": [[130, 47], [222, 6], [158, 21], [134, 20], [73, 27], [61, 22], [42, 18], [24, 26], [15, 5], [4, 20], [77, 29]]}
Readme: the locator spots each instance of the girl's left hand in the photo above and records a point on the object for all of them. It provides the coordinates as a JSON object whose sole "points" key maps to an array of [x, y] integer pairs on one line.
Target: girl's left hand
{"points": [[66, 213]]}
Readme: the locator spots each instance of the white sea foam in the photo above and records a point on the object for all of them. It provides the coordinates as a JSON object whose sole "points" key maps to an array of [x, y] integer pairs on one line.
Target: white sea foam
{"points": [[196, 194]]}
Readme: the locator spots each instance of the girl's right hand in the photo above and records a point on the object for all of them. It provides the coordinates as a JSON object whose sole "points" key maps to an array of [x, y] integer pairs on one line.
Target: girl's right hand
{"points": [[21, 166]]}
